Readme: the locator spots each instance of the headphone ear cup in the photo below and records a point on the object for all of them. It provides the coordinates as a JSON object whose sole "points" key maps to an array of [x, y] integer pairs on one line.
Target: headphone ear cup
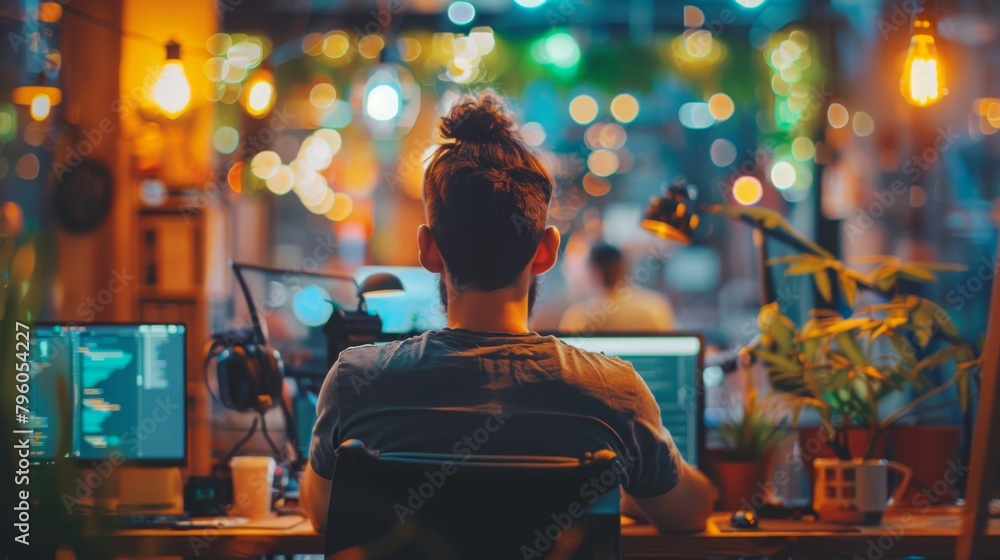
{"points": [[234, 373]]}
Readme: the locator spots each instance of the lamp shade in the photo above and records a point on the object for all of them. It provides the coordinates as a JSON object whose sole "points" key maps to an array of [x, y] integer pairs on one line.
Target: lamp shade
{"points": [[673, 215], [381, 283]]}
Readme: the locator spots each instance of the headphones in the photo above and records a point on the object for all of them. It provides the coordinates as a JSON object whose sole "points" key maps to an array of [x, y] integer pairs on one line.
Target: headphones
{"points": [[249, 372]]}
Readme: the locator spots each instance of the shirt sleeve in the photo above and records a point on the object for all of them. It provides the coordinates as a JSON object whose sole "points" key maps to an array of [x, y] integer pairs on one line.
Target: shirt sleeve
{"points": [[326, 432], [655, 467]]}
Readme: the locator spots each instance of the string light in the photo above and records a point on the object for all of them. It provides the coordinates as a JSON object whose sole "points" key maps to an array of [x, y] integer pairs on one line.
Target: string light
{"points": [[172, 92]]}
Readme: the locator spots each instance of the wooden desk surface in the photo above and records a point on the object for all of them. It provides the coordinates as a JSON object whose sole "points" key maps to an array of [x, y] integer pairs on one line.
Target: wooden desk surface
{"points": [[901, 534]]}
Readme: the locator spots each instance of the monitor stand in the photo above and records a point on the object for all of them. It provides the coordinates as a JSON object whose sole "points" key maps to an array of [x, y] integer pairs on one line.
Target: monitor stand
{"points": [[150, 490]]}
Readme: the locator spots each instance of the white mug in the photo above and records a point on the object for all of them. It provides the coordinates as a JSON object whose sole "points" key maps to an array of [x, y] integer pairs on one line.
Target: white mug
{"points": [[856, 491], [253, 478]]}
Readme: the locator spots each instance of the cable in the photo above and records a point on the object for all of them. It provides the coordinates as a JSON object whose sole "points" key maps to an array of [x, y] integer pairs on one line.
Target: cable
{"points": [[239, 444], [278, 455], [112, 26]]}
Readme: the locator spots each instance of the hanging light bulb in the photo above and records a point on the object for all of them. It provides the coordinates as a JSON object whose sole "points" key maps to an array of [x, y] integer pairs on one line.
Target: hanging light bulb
{"points": [[39, 99], [260, 96], [923, 78], [172, 92], [391, 100]]}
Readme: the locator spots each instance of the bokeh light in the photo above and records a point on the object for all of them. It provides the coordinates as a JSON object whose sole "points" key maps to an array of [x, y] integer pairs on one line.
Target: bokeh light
{"points": [[322, 95], [265, 164], [747, 190], [583, 109], [383, 103], [864, 124], [533, 134], [803, 148], [837, 115], [782, 175], [624, 108], [530, 3], [723, 152], [602, 162], [696, 115], [336, 44], [27, 167], [595, 185], [342, 207], [311, 306], [226, 139], [282, 181], [721, 106], [461, 13]]}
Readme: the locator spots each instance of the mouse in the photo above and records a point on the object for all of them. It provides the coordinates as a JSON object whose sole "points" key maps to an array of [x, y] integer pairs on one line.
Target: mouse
{"points": [[744, 519]]}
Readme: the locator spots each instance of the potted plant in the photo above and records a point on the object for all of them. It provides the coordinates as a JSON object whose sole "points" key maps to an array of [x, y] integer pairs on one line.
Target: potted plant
{"points": [[846, 358], [748, 443]]}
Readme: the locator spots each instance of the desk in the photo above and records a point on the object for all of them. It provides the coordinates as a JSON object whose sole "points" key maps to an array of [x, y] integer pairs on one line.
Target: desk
{"points": [[901, 534]]}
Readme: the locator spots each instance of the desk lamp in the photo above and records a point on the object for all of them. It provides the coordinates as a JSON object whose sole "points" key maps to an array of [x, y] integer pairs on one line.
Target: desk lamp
{"points": [[352, 328]]}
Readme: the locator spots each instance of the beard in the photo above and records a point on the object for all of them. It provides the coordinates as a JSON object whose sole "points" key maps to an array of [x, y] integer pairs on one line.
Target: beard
{"points": [[532, 293]]}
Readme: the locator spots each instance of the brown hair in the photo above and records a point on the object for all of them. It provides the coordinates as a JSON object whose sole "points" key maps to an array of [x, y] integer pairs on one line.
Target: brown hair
{"points": [[486, 195]]}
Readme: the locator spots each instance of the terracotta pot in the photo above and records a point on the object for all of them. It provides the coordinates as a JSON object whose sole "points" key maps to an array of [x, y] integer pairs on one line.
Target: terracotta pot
{"points": [[813, 445], [932, 453], [740, 483]]}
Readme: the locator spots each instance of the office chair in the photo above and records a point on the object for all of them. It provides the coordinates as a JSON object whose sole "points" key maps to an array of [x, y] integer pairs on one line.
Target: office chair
{"points": [[459, 507]]}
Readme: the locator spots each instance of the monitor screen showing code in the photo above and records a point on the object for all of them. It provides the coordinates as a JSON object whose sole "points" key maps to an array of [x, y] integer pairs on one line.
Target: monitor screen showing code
{"points": [[124, 385]]}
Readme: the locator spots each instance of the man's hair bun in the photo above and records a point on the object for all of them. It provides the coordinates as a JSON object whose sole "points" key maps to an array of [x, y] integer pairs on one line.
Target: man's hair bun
{"points": [[478, 119]]}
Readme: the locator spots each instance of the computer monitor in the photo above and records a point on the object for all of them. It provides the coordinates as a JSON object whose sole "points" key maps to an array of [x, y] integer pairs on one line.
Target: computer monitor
{"points": [[114, 391], [671, 365]]}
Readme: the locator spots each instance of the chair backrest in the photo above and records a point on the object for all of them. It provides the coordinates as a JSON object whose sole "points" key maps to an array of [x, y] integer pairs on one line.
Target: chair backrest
{"points": [[442, 506]]}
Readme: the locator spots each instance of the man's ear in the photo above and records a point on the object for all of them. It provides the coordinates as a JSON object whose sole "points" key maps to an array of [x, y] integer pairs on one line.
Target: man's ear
{"points": [[429, 256], [547, 252]]}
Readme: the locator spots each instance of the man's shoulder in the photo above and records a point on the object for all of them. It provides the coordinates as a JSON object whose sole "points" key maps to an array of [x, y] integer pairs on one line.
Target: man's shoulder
{"points": [[602, 363]]}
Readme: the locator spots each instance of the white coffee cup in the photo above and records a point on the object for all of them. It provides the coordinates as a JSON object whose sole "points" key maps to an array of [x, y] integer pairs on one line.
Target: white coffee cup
{"points": [[856, 491], [253, 478]]}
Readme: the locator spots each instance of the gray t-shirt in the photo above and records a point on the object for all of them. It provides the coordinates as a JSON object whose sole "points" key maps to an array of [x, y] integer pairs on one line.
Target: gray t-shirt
{"points": [[464, 392]]}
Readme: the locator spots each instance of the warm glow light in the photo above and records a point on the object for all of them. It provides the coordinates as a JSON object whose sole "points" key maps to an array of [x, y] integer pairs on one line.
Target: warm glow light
{"points": [[583, 109], [602, 162], [803, 148], [747, 190], [322, 95], [721, 106], [172, 92], [265, 164], [383, 103], [837, 115], [922, 82], [342, 207], [624, 108], [260, 96], [282, 181], [41, 104]]}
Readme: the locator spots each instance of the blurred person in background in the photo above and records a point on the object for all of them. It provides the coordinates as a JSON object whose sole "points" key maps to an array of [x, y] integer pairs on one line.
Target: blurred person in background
{"points": [[619, 306]]}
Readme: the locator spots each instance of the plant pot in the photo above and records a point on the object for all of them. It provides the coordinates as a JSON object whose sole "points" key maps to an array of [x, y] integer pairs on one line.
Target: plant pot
{"points": [[932, 453], [813, 445], [740, 483]]}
